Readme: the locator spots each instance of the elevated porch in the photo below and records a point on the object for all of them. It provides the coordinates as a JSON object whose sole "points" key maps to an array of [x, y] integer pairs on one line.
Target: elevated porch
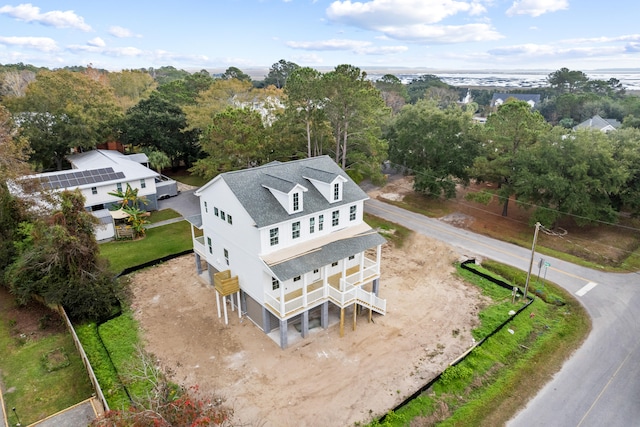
{"points": [[342, 289]]}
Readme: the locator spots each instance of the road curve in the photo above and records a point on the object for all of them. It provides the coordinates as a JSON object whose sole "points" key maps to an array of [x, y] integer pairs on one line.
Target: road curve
{"points": [[600, 384]]}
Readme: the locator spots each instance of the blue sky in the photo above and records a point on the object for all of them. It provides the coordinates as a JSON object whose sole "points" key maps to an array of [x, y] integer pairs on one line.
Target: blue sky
{"points": [[435, 34]]}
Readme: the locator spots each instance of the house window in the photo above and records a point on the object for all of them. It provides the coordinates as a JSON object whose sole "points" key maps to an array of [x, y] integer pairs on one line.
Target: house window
{"points": [[229, 219], [296, 202], [215, 211], [333, 264], [312, 225], [273, 236], [210, 245], [119, 186], [352, 213], [320, 222], [94, 190], [335, 218], [206, 208], [352, 257], [275, 284], [295, 230], [226, 256], [336, 191], [296, 279], [143, 183], [223, 216]]}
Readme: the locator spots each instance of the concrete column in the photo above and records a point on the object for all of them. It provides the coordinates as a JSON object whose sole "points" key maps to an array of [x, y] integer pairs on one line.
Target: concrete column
{"points": [[266, 321], [324, 315], [376, 287], [198, 266], [283, 334], [305, 324]]}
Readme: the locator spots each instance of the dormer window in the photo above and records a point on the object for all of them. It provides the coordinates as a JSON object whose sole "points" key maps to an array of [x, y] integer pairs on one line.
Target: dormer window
{"points": [[296, 202], [336, 191], [288, 193]]}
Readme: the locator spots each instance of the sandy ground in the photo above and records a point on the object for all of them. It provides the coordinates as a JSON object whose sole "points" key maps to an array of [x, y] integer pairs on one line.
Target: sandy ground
{"points": [[325, 379]]}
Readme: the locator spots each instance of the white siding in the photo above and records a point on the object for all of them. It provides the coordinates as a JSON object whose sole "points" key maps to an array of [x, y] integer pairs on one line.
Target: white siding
{"points": [[285, 228], [241, 238]]}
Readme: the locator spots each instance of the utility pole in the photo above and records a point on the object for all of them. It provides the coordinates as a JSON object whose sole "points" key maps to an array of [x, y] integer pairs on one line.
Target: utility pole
{"points": [[533, 253]]}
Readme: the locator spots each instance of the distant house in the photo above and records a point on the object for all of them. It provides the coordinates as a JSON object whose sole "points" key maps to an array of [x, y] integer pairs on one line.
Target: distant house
{"points": [[97, 173], [500, 98], [288, 240], [598, 123]]}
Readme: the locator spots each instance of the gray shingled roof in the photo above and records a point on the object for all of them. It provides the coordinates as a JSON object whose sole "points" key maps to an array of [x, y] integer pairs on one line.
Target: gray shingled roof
{"points": [[262, 206], [597, 122], [327, 254]]}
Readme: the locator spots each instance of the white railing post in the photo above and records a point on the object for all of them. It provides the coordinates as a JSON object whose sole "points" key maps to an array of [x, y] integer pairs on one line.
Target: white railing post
{"points": [[282, 309], [325, 281], [343, 276], [361, 275], [304, 290], [378, 257]]}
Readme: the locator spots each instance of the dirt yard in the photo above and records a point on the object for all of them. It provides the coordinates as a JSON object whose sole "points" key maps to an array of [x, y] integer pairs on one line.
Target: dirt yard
{"points": [[325, 379]]}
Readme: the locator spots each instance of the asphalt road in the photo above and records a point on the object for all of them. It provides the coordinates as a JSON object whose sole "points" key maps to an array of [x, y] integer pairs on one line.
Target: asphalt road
{"points": [[600, 384]]}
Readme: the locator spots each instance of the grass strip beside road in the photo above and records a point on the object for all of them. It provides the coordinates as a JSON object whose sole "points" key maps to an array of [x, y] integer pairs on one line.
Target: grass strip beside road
{"points": [[496, 379]]}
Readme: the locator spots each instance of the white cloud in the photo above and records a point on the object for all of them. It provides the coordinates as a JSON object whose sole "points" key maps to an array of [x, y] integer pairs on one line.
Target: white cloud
{"points": [[413, 20], [356, 46], [111, 51], [56, 18], [376, 13], [443, 34], [536, 7], [44, 44], [96, 42], [122, 32]]}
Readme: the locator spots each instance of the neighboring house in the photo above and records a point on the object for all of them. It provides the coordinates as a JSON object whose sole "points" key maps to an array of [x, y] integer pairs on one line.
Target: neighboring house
{"points": [[598, 123], [500, 98], [99, 172], [289, 240]]}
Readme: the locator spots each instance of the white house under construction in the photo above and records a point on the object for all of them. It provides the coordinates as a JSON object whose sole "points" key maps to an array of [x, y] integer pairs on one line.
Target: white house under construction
{"points": [[285, 240]]}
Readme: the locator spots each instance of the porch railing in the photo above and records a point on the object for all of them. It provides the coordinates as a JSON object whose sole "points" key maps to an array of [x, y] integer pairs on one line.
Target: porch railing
{"points": [[352, 294], [198, 246]]}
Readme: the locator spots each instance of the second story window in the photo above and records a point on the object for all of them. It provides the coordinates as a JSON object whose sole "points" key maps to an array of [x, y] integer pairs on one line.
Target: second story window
{"points": [[143, 183], [273, 236], [119, 186], [215, 211], [352, 213], [336, 191], [206, 208], [275, 284], [312, 225], [229, 219], [335, 218], [226, 256], [210, 245], [94, 190], [223, 216], [296, 202], [295, 230], [320, 222]]}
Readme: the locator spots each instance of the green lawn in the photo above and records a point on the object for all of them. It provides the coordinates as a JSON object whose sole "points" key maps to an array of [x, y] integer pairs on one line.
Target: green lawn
{"points": [[164, 214], [40, 377], [158, 242]]}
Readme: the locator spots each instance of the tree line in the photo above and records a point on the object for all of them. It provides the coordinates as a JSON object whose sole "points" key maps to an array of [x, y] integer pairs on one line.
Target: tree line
{"points": [[217, 123]]}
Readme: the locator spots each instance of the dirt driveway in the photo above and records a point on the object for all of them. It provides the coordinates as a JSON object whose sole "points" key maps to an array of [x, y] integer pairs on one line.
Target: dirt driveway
{"points": [[323, 380]]}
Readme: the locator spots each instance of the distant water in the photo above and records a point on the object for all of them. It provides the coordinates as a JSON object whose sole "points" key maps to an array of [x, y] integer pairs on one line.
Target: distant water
{"points": [[630, 79]]}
